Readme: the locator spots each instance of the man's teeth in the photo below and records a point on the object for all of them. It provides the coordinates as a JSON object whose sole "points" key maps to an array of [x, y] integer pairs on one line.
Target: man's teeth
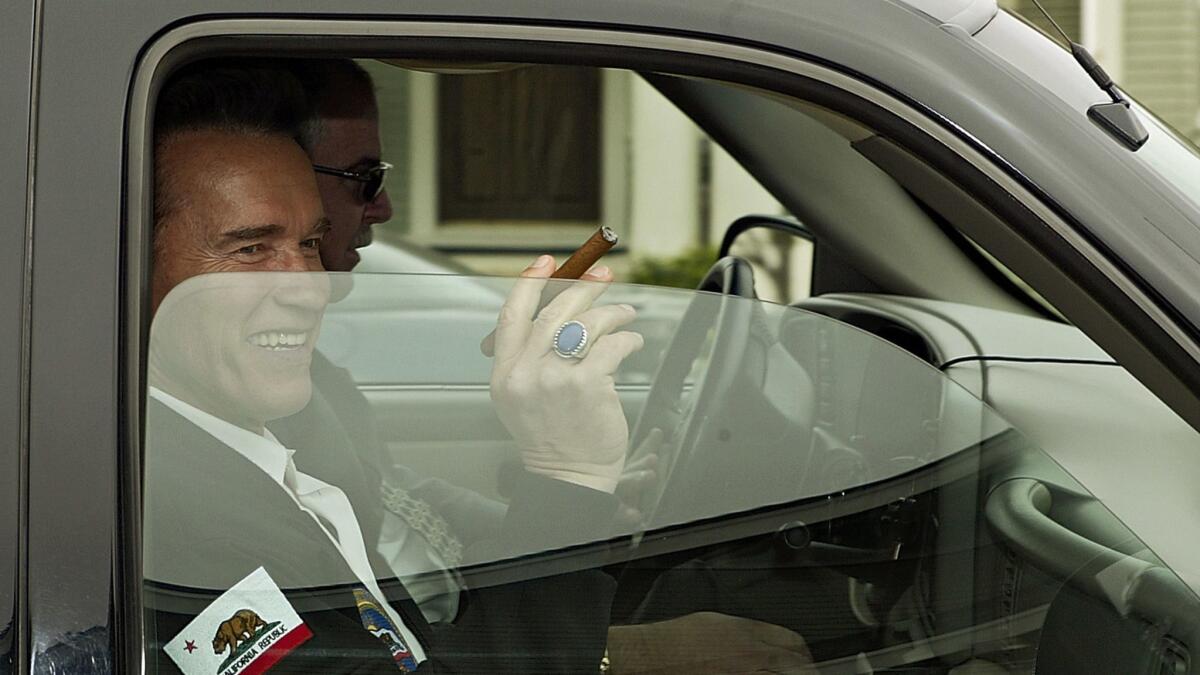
{"points": [[278, 340]]}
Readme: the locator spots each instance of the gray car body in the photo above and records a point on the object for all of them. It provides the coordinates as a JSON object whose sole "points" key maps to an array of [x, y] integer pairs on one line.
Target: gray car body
{"points": [[67, 326]]}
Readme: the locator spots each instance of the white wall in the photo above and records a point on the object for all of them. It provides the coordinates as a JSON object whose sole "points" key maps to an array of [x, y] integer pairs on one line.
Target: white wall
{"points": [[1161, 59], [664, 175], [666, 190], [734, 194], [1103, 33]]}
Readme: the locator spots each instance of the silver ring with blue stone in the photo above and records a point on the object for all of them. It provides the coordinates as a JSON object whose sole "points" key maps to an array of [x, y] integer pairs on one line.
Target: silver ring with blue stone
{"points": [[570, 340]]}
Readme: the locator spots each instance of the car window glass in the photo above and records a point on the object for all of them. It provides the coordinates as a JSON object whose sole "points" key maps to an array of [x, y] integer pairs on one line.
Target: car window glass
{"points": [[806, 474], [492, 162], [661, 160]]}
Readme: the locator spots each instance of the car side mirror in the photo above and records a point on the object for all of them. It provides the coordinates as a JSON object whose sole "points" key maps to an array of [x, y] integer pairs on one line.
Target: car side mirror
{"points": [[779, 249]]}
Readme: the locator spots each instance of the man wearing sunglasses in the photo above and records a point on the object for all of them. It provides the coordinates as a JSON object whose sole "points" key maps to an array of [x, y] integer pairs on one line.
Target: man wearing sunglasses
{"points": [[370, 178], [344, 132], [343, 143]]}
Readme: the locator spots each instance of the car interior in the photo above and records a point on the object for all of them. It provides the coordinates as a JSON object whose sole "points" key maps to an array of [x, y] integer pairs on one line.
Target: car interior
{"points": [[903, 462]]}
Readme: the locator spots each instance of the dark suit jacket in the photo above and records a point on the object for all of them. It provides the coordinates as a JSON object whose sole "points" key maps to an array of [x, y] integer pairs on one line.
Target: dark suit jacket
{"points": [[339, 416], [212, 518]]}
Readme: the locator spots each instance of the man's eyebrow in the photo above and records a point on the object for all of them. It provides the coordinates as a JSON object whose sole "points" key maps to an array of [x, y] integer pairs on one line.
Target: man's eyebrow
{"points": [[250, 232], [323, 225]]}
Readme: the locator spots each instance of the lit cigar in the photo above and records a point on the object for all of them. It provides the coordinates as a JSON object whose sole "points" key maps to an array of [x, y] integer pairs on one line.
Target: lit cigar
{"points": [[585, 256], [573, 268]]}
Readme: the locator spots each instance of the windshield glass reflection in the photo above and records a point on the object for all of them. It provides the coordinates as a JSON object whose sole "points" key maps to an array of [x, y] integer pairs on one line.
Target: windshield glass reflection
{"points": [[741, 404], [708, 420]]}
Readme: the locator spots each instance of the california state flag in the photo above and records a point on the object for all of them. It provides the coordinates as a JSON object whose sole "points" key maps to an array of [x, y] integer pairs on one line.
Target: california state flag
{"points": [[243, 632]]}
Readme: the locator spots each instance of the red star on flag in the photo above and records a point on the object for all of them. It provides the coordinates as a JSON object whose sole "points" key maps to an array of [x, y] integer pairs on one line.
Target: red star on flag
{"points": [[191, 646]]}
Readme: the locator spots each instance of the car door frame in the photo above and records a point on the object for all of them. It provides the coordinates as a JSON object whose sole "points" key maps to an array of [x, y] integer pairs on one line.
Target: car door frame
{"points": [[1043, 244], [19, 26]]}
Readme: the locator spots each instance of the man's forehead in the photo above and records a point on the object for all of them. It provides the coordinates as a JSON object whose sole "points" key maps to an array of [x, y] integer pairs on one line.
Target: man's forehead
{"points": [[233, 180], [206, 165], [250, 214], [235, 232], [210, 151]]}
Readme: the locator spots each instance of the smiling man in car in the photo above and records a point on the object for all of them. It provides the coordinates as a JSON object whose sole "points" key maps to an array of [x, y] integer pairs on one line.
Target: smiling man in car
{"points": [[249, 561]]}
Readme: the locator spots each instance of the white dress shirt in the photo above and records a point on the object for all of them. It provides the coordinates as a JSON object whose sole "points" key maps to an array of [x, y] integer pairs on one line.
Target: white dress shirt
{"points": [[426, 576], [315, 497]]}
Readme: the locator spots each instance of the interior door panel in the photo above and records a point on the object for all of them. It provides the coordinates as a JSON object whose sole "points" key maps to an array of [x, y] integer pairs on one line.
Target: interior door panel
{"points": [[1110, 603], [844, 482], [423, 426]]}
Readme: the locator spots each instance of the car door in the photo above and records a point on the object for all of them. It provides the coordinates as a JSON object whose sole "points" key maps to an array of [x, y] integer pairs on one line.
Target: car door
{"points": [[830, 465], [87, 347], [808, 474]]}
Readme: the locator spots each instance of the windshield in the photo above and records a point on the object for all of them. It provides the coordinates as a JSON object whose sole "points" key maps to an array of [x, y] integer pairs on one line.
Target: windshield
{"points": [[755, 452]]}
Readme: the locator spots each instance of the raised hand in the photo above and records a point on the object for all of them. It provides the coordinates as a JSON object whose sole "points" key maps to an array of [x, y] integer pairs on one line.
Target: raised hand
{"points": [[563, 412]]}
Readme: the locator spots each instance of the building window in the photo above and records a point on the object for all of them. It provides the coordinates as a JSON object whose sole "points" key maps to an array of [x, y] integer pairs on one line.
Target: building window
{"points": [[521, 145]]}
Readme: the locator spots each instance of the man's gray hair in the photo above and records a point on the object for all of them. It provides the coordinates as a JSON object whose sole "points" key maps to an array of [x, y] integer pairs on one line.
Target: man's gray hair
{"points": [[335, 88]]}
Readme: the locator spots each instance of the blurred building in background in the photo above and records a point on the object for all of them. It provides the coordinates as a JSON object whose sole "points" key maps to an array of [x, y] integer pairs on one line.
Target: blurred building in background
{"points": [[495, 162]]}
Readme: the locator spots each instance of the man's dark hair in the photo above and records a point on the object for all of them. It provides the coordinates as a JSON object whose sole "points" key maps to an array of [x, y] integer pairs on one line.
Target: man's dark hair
{"points": [[335, 88], [259, 98]]}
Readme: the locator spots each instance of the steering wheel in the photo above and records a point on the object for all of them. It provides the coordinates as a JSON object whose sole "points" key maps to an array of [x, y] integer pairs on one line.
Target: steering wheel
{"points": [[720, 314]]}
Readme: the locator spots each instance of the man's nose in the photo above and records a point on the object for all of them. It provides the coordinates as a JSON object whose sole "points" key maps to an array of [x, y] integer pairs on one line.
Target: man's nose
{"points": [[379, 210], [303, 291], [309, 291], [294, 259]]}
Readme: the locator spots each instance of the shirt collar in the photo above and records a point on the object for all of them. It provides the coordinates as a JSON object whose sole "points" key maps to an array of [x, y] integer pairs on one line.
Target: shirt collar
{"points": [[264, 451]]}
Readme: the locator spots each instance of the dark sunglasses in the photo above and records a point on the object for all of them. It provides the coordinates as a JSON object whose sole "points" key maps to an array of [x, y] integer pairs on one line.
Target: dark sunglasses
{"points": [[371, 179]]}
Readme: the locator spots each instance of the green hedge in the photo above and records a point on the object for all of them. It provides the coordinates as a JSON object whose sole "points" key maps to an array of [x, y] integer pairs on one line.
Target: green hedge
{"points": [[682, 271]]}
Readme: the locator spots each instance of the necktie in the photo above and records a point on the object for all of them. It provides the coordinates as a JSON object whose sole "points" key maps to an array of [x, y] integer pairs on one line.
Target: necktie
{"points": [[421, 517], [330, 507]]}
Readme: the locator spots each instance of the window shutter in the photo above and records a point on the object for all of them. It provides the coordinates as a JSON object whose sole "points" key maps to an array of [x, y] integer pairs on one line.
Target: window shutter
{"points": [[520, 146], [1162, 59], [1066, 12]]}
